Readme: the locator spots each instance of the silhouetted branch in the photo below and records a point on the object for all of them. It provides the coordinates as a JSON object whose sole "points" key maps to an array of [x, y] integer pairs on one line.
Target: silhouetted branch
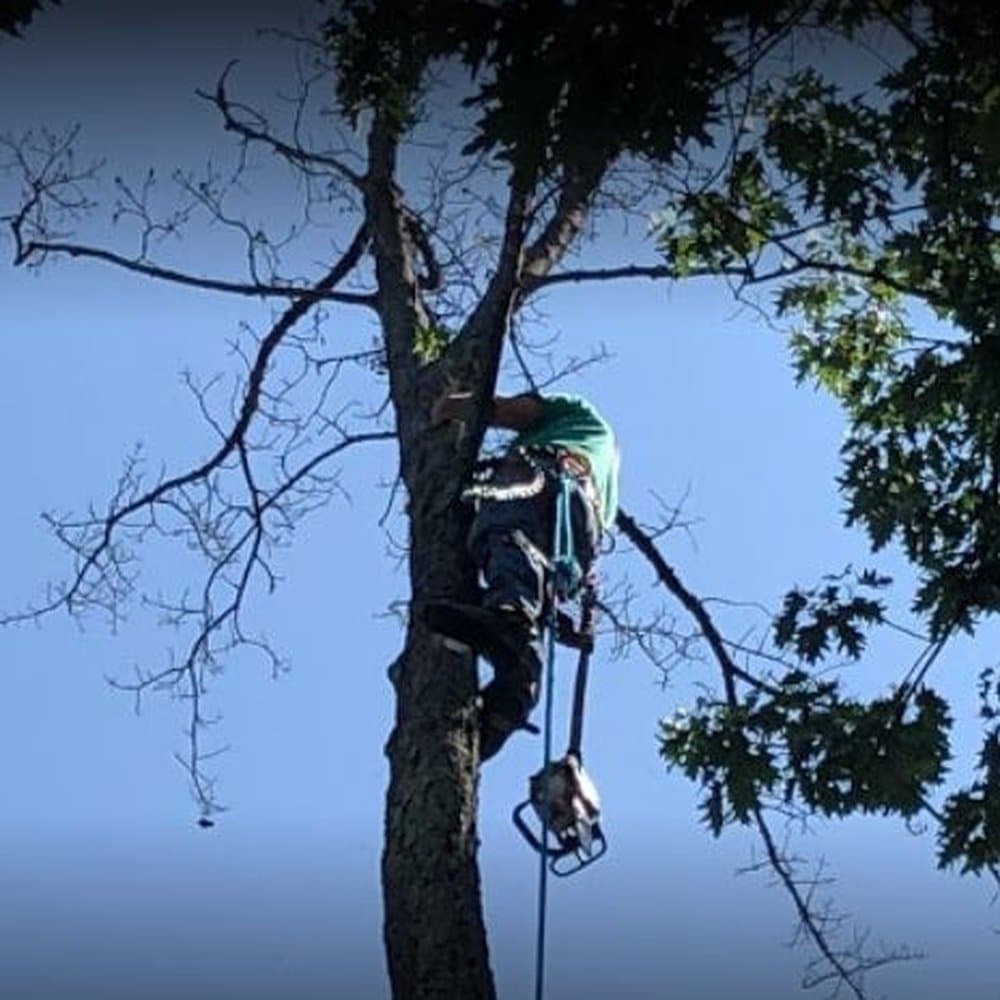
{"points": [[249, 289], [844, 966], [644, 544], [54, 194], [302, 158], [120, 512], [186, 679], [234, 534]]}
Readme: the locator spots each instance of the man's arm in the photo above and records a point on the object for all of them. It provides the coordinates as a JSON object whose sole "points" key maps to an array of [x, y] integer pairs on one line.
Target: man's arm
{"points": [[516, 413]]}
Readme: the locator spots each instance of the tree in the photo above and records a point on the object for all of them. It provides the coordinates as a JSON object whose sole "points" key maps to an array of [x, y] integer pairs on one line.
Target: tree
{"points": [[578, 111]]}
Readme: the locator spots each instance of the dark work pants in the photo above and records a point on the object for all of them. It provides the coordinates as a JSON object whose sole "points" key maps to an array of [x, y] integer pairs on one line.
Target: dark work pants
{"points": [[506, 541]]}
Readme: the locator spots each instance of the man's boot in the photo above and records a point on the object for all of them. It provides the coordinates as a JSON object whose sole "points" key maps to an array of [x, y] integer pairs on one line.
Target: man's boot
{"points": [[506, 638], [501, 712], [499, 634]]}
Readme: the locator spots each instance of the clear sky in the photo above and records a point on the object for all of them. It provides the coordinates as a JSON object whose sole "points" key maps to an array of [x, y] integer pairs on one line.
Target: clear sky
{"points": [[107, 886]]}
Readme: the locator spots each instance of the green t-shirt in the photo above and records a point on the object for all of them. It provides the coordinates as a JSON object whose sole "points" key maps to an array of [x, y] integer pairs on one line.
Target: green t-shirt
{"points": [[571, 422]]}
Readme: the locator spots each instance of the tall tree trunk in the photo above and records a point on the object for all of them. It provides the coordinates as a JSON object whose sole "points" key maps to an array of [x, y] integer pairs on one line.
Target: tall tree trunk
{"points": [[434, 932]]}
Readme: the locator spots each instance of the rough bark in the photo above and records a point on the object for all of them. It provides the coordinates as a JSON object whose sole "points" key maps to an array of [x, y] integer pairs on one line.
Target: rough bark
{"points": [[434, 932]]}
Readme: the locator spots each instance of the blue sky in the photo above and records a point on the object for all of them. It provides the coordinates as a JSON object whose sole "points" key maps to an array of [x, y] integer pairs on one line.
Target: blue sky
{"points": [[108, 885]]}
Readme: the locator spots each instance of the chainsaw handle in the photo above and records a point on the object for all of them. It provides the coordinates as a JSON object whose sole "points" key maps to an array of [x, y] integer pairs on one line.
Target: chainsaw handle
{"points": [[553, 853], [526, 831], [598, 848], [557, 855]]}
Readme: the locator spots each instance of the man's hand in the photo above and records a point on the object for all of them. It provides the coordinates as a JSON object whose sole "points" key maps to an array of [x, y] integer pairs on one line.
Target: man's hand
{"points": [[516, 413]]}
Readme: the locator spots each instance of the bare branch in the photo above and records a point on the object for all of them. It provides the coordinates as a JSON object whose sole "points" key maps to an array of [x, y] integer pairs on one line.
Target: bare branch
{"points": [[54, 193], [652, 272], [309, 294], [743, 273], [847, 968], [120, 509], [730, 671], [53, 186], [186, 678], [493, 310], [294, 154]]}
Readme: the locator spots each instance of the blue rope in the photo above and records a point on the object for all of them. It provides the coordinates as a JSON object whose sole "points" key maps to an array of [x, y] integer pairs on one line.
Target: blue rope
{"points": [[564, 568]]}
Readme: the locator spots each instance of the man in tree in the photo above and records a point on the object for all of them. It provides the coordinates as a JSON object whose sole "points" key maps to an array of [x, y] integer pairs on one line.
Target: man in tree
{"points": [[561, 438]]}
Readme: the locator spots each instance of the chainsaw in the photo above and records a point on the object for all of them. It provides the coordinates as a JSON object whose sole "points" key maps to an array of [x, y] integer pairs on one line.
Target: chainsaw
{"points": [[562, 795]]}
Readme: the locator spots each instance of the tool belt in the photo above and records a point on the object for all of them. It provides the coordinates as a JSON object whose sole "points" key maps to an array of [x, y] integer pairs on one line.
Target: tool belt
{"points": [[513, 476], [522, 473]]}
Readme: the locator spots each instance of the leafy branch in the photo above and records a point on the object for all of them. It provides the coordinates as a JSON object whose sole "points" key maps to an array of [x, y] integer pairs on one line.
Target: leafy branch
{"points": [[725, 747]]}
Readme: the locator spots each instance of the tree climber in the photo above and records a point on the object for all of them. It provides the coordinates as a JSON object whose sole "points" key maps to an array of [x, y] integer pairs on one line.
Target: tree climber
{"points": [[511, 540]]}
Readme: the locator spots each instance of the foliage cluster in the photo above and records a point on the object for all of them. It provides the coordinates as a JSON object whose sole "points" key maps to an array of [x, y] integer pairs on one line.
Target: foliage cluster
{"points": [[876, 213], [559, 85]]}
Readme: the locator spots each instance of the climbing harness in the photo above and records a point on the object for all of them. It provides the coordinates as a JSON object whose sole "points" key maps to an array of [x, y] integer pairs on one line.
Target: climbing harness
{"points": [[561, 793]]}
